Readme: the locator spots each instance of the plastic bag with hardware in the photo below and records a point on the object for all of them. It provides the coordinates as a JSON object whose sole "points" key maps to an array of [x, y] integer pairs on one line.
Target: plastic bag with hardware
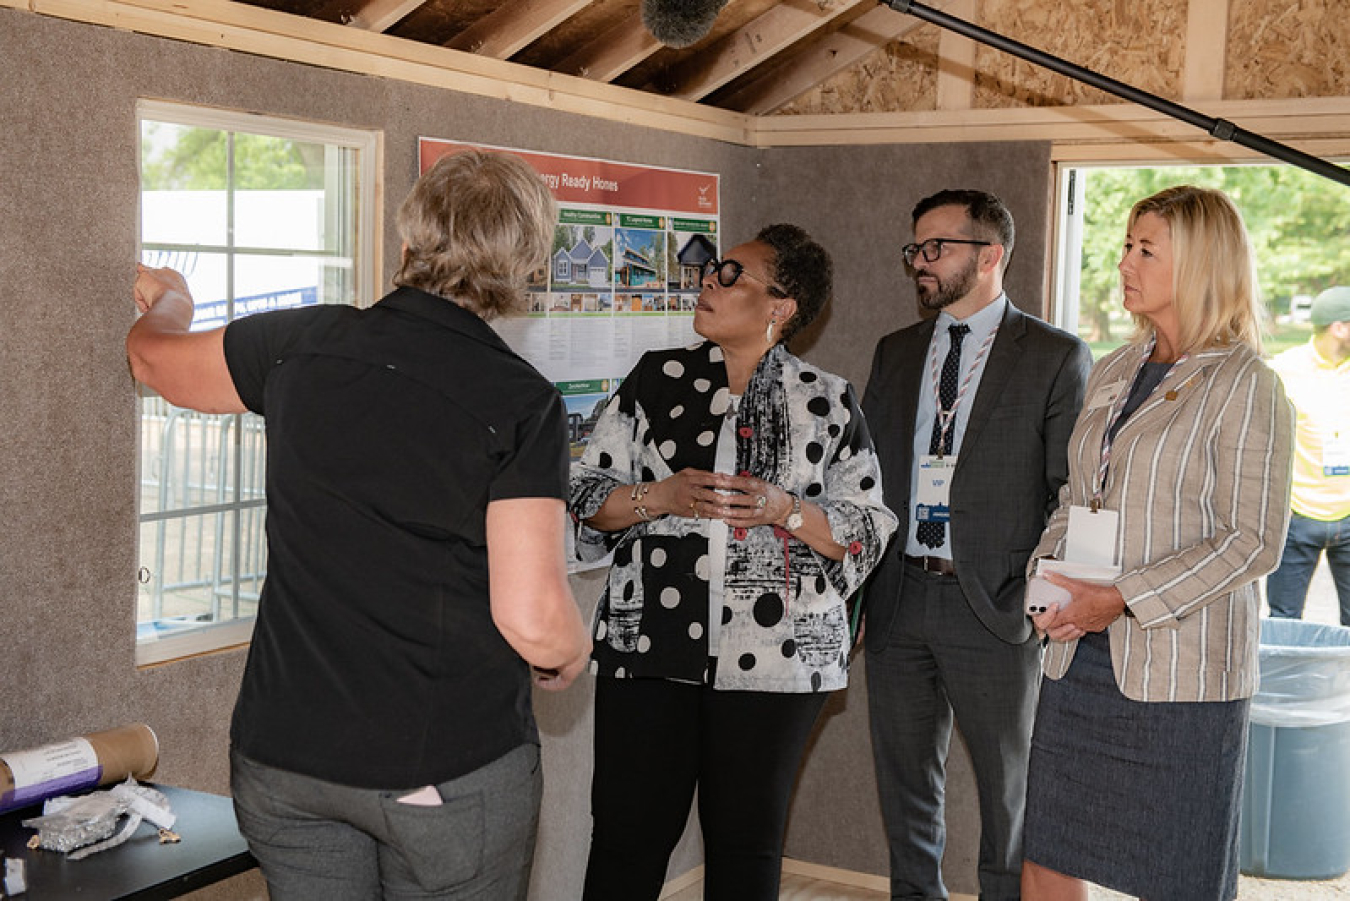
{"points": [[87, 824]]}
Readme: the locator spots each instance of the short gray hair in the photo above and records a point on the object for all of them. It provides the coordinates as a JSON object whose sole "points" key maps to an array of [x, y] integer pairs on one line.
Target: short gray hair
{"points": [[474, 227]]}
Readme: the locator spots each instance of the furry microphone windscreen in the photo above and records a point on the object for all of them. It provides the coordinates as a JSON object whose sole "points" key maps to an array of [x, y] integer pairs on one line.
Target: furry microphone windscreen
{"points": [[679, 23]]}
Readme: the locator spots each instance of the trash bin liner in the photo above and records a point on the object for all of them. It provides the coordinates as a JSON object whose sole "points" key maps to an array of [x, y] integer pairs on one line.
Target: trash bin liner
{"points": [[1296, 788], [1305, 674]]}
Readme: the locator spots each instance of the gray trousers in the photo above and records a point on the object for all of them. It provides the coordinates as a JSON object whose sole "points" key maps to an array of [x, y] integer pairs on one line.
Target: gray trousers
{"points": [[318, 841], [940, 660]]}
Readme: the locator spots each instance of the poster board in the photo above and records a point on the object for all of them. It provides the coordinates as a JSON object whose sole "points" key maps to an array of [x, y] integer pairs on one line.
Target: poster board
{"points": [[622, 276]]}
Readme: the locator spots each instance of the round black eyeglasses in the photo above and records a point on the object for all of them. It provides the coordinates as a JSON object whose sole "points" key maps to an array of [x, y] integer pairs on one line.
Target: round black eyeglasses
{"points": [[728, 272], [932, 248]]}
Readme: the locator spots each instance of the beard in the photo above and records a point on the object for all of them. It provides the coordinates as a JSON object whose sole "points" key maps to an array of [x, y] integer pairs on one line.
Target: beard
{"points": [[945, 293]]}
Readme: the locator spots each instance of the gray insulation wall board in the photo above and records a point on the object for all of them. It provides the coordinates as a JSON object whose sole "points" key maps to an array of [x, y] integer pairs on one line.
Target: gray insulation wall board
{"points": [[859, 201]]}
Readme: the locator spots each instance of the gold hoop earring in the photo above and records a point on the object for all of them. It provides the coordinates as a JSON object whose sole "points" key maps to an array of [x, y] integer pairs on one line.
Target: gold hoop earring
{"points": [[768, 331]]}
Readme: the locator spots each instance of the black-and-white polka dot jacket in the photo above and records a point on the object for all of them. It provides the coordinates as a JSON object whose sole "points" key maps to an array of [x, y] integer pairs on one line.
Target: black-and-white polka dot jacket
{"points": [[784, 618]]}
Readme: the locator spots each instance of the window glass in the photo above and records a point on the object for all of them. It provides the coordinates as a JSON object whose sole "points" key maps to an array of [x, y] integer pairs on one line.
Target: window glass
{"points": [[1291, 216], [257, 214]]}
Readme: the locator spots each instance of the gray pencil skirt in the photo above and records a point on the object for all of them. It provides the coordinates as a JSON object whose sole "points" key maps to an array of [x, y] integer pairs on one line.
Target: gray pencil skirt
{"points": [[1142, 798]]}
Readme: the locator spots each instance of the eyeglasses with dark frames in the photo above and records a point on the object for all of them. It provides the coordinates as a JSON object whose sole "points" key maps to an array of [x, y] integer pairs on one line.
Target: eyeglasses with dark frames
{"points": [[932, 248], [728, 272]]}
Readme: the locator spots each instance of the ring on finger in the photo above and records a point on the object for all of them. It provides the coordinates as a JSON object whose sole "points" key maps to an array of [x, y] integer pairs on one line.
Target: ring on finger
{"points": [[761, 501]]}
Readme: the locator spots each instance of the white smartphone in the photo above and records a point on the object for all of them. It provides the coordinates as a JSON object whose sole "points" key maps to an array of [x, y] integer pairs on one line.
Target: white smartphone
{"points": [[1043, 594]]}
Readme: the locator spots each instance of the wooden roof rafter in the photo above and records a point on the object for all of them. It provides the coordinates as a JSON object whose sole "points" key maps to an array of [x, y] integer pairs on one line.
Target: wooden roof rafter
{"points": [[613, 52], [773, 86], [752, 45], [381, 15], [514, 26], [1112, 132]]}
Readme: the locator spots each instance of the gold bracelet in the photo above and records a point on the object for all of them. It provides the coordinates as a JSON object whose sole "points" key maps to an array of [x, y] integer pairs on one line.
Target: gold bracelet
{"points": [[639, 495]]}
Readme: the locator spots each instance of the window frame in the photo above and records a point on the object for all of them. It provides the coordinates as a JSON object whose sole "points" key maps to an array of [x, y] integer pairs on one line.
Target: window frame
{"points": [[367, 144]]}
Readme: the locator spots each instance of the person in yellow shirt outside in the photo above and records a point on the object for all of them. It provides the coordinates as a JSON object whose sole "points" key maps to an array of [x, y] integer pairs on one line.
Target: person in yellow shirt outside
{"points": [[1316, 377]]}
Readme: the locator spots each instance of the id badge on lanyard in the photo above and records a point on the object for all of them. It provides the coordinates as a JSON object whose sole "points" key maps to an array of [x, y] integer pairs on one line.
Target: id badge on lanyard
{"points": [[1091, 536], [1336, 455], [1092, 530], [933, 501]]}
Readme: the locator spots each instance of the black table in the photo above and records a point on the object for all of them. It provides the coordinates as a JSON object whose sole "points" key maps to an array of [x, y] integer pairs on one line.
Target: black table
{"points": [[211, 850]]}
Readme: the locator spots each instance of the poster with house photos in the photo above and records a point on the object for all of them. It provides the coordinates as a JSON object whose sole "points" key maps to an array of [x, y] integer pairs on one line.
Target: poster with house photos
{"points": [[622, 277]]}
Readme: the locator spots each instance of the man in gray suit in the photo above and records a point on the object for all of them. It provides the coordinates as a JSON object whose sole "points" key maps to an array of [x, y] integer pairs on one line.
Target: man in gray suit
{"points": [[971, 413]]}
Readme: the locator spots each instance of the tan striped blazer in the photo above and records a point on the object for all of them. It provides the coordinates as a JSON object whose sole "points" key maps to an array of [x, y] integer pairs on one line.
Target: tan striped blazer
{"points": [[1200, 475]]}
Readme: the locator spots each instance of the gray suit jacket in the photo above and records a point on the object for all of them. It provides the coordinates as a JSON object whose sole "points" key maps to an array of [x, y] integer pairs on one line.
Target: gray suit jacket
{"points": [[1012, 461]]}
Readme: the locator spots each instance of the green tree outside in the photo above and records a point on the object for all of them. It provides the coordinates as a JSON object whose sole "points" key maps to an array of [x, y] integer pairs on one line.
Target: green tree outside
{"points": [[180, 158], [1299, 224]]}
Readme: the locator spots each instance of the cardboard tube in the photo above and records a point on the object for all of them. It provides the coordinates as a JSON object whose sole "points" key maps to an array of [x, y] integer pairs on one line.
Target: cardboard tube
{"points": [[88, 761]]}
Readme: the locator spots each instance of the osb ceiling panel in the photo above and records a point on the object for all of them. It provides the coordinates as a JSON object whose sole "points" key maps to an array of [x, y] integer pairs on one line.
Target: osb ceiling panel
{"points": [[1139, 42], [900, 76], [1299, 48]]}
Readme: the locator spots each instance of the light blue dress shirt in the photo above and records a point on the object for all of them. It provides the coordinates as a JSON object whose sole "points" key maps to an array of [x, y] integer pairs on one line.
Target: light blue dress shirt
{"points": [[982, 325]]}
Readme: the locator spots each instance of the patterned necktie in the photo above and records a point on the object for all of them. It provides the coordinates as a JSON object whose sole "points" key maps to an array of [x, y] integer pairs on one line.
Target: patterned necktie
{"points": [[932, 534]]}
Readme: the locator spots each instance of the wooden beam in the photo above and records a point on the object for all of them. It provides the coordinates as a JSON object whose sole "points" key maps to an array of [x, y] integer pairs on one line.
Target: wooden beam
{"points": [[615, 51], [838, 876], [956, 61], [1206, 50], [835, 53], [382, 15], [1119, 131], [753, 44], [1204, 150], [514, 26], [1297, 122], [250, 29]]}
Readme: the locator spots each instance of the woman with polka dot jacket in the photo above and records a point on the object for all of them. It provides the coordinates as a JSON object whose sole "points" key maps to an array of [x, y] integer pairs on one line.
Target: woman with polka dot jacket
{"points": [[737, 488]]}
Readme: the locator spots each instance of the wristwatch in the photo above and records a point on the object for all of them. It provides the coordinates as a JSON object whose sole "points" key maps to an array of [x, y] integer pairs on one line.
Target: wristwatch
{"points": [[794, 519]]}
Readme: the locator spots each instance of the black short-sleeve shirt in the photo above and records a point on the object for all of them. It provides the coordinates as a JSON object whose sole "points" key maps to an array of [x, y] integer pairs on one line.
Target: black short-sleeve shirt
{"points": [[375, 662]]}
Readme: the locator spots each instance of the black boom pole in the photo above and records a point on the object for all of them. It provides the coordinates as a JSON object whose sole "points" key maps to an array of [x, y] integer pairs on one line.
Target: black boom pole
{"points": [[1218, 128]]}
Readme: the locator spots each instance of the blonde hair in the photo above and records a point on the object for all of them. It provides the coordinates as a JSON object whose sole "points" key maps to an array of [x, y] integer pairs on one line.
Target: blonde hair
{"points": [[1214, 286], [474, 227]]}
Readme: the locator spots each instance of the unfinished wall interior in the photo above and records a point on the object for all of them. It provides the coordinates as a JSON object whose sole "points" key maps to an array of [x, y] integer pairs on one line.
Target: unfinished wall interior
{"points": [[1287, 50], [1268, 50], [901, 75]]}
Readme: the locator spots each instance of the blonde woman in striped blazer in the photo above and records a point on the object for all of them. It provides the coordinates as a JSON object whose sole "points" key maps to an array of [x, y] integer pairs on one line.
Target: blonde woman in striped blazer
{"points": [[1140, 739]]}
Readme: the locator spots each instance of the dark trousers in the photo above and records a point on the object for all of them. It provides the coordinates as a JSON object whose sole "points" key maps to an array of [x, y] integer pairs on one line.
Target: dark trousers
{"points": [[655, 742], [939, 661], [1287, 587]]}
